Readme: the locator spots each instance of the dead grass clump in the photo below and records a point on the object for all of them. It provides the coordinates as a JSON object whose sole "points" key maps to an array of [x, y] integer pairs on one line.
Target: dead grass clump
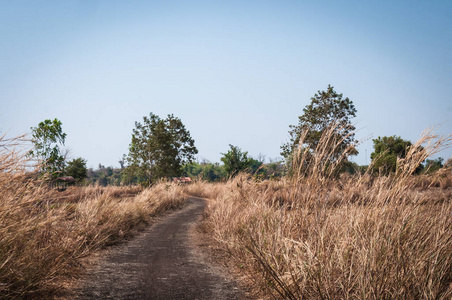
{"points": [[44, 233], [203, 189], [319, 236], [441, 179]]}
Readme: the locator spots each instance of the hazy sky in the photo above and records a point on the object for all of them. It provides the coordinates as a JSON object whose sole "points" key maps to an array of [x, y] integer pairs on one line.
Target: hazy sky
{"points": [[235, 72]]}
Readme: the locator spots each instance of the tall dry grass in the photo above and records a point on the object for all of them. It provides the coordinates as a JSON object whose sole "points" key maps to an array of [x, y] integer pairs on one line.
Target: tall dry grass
{"points": [[319, 236], [44, 233], [204, 189]]}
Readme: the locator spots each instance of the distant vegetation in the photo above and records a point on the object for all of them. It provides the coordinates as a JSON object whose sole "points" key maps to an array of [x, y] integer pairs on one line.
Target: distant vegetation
{"points": [[206, 171], [77, 169], [47, 138], [105, 176], [164, 148], [159, 149], [327, 109]]}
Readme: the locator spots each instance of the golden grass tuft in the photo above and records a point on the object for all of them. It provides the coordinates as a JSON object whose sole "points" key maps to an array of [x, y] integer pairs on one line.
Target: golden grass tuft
{"points": [[203, 189]]}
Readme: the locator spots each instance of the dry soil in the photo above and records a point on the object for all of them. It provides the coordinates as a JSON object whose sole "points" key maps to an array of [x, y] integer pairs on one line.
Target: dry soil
{"points": [[164, 262]]}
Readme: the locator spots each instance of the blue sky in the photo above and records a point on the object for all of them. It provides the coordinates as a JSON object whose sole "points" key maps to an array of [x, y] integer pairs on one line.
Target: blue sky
{"points": [[235, 72]]}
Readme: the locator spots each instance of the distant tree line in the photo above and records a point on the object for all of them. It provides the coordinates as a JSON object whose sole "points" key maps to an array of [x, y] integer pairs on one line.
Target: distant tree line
{"points": [[163, 148], [205, 170]]}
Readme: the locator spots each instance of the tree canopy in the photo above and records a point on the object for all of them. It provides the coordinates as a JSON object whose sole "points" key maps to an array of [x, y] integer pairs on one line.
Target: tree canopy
{"points": [[205, 170], [387, 150], [47, 137], [433, 165], [235, 161], [77, 169], [327, 108], [159, 148]]}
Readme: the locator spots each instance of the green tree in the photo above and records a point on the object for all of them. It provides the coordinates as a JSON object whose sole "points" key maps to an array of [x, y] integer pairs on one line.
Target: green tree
{"points": [[205, 170], [46, 139], [213, 172], [77, 169], [159, 148], [236, 161], [387, 150], [433, 165], [274, 169], [192, 169], [327, 108]]}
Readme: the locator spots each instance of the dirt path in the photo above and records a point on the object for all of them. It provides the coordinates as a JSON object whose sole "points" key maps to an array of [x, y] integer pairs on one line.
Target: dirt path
{"points": [[161, 263]]}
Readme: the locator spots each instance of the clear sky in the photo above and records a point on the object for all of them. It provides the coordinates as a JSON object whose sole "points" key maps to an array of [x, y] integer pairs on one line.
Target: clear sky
{"points": [[235, 72]]}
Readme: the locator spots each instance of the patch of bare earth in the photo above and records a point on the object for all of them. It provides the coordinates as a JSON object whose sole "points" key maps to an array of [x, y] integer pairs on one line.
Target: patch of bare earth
{"points": [[164, 262]]}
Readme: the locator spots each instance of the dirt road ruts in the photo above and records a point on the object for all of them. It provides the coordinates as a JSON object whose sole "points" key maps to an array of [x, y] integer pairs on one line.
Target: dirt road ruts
{"points": [[161, 263]]}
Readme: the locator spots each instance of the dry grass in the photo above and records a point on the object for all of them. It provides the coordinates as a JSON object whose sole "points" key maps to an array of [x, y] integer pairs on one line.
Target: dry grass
{"points": [[45, 233], [317, 236], [204, 189]]}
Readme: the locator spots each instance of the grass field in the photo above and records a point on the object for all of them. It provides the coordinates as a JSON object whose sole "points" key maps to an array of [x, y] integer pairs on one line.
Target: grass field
{"points": [[315, 235], [321, 236]]}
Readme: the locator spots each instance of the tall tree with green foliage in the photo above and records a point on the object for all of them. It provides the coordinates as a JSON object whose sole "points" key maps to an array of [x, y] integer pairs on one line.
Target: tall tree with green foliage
{"points": [[47, 138], [235, 161], [327, 108], [77, 169], [387, 150], [159, 148]]}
